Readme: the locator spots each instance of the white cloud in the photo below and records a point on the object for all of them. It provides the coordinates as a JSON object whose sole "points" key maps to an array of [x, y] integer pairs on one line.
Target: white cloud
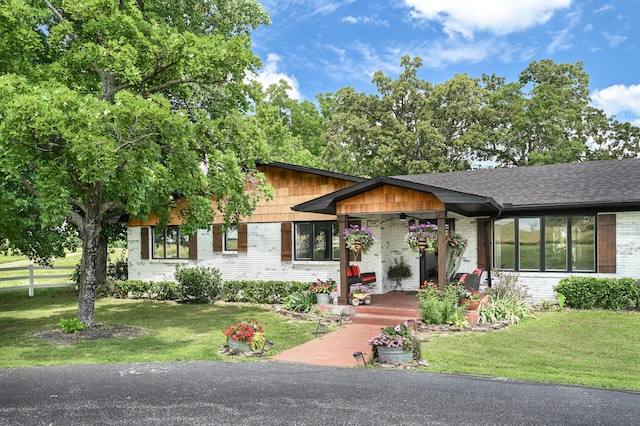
{"points": [[365, 20], [500, 17], [270, 75], [604, 8], [614, 39], [619, 100]]}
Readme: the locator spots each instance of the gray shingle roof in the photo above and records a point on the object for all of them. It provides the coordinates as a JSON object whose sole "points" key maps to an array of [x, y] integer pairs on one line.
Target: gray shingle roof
{"points": [[612, 183]]}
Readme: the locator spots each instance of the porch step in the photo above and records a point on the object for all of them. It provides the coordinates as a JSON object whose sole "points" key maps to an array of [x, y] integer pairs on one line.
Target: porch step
{"points": [[382, 316]]}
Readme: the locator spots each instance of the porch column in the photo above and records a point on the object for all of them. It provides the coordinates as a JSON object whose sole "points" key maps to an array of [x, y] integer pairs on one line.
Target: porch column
{"points": [[343, 220], [441, 221]]}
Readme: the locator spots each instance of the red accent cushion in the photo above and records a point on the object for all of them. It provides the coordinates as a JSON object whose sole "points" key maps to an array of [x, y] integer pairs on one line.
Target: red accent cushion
{"points": [[477, 272], [462, 278], [353, 271]]}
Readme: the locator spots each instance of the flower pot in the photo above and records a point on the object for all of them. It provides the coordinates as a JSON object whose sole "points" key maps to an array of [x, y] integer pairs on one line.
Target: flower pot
{"points": [[470, 305], [394, 355], [473, 317], [236, 344], [322, 298]]}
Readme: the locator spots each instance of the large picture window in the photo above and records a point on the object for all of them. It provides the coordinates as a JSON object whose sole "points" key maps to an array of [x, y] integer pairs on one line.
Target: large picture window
{"points": [[317, 241], [169, 243], [550, 243]]}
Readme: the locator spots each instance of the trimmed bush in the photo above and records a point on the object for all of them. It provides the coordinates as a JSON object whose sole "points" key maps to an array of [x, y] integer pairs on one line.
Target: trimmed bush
{"points": [[600, 293], [199, 285], [266, 292], [137, 289]]}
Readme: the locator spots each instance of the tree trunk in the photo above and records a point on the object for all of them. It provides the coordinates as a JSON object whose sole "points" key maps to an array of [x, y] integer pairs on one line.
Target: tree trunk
{"points": [[89, 271]]}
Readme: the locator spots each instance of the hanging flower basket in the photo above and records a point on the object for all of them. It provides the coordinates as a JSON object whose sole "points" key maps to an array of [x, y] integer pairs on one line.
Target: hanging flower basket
{"points": [[422, 237], [358, 239]]}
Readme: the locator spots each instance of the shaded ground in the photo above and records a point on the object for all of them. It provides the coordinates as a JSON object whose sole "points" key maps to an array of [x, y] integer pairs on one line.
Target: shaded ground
{"points": [[100, 331]]}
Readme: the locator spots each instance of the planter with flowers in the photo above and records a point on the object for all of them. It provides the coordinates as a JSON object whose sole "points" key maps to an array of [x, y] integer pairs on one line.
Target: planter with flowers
{"points": [[395, 344], [422, 237], [246, 335], [322, 289], [358, 239], [359, 294], [470, 299]]}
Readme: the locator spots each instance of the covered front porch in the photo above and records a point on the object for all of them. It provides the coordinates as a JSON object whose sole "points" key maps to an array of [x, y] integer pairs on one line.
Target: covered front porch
{"points": [[386, 206]]}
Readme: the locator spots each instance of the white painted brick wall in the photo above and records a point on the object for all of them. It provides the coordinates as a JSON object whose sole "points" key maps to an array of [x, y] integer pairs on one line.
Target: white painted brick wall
{"points": [[262, 260]]}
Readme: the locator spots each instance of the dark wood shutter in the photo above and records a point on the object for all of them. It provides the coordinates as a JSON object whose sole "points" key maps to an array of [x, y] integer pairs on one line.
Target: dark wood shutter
{"points": [[217, 238], [193, 246], [607, 243], [484, 243], [286, 241], [352, 257], [144, 242], [242, 238]]}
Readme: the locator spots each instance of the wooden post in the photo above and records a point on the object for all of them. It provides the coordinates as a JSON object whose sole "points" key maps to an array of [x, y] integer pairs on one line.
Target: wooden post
{"points": [[441, 219], [344, 260]]}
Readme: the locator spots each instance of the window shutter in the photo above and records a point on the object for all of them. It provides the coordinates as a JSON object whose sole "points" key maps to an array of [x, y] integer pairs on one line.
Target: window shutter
{"points": [[242, 238], [352, 257], [144, 242], [217, 238], [607, 243], [484, 244], [193, 246], [286, 249]]}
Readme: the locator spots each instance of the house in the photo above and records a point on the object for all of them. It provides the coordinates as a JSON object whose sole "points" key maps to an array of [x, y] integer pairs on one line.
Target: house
{"points": [[542, 222]]}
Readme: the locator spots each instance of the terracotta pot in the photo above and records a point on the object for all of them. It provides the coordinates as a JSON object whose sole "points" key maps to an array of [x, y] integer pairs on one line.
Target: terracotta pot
{"points": [[470, 305]]}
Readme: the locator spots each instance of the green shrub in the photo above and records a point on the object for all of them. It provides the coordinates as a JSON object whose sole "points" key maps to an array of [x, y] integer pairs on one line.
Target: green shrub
{"points": [[199, 285], [505, 308], [300, 301], [440, 306], [137, 289], [507, 300], [71, 325], [600, 293], [266, 292]]}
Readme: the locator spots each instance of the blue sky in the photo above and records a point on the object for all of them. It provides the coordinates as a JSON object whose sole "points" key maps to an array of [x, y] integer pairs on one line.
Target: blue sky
{"points": [[319, 46]]}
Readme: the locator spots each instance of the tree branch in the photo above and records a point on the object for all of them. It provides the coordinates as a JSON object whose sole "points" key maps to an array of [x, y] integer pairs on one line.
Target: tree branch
{"points": [[55, 11]]}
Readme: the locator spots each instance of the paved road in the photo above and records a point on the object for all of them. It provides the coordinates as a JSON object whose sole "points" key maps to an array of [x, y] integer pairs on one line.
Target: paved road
{"points": [[269, 393]]}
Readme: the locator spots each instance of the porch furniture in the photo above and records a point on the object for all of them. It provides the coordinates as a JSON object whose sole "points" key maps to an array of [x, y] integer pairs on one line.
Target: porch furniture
{"points": [[355, 276]]}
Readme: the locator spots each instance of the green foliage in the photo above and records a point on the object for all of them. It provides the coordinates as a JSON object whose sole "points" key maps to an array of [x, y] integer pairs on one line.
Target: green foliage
{"points": [[199, 285], [111, 108], [600, 293], [441, 306], [71, 325], [507, 301], [154, 290], [503, 308], [267, 292], [399, 269], [300, 301], [561, 299]]}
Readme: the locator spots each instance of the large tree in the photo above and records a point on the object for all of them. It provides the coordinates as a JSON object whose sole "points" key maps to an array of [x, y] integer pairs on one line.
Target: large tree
{"points": [[129, 106], [409, 126]]}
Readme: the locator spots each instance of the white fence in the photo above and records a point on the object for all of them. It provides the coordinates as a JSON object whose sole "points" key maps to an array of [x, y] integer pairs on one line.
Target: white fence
{"points": [[32, 277]]}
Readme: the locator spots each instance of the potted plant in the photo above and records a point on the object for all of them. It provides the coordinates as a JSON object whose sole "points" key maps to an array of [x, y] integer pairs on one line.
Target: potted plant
{"points": [[399, 270], [322, 289], [470, 299], [245, 335], [394, 344], [422, 237], [358, 239], [359, 293]]}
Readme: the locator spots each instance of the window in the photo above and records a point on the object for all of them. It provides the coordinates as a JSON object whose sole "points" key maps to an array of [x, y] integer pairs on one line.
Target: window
{"points": [[231, 239], [551, 243], [317, 241], [168, 243]]}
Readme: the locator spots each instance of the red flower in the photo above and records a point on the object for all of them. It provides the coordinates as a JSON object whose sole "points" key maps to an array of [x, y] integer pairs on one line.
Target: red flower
{"points": [[243, 331]]}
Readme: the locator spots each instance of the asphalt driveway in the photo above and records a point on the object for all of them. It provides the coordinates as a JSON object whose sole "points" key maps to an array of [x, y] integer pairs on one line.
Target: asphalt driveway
{"points": [[270, 393]]}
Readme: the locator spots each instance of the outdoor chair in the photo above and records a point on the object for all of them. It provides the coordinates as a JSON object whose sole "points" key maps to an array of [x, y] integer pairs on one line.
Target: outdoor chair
{"points": [[355, 276]]}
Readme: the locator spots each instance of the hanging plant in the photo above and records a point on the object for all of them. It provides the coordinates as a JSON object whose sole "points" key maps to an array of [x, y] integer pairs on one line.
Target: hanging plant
{"points": [[422, 237], [358, 239]]}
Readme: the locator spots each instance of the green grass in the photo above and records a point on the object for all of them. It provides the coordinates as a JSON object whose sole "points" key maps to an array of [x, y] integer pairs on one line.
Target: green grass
{"points": [[175, 332], [595, 348]]}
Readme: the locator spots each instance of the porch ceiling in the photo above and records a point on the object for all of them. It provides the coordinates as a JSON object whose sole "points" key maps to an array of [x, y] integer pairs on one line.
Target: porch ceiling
{"points": [[458, 202]]}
